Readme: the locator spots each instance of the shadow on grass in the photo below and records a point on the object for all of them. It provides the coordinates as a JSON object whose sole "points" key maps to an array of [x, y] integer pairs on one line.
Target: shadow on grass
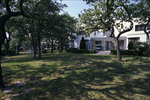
{"points": [[81, 77]]}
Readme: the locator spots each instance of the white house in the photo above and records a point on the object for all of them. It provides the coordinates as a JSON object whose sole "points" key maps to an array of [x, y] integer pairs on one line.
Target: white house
{"points": [[101, 41]]}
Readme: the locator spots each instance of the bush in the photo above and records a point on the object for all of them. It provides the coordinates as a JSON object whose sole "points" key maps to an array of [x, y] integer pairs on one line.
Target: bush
{"points": [[72, 49], [113, 52], [146, 53], [2, 51], [75, 50], [82, 44], [144, 49], [126, 52], [137, 45], [11, 52], [130, 46], [86, 51], [140, 49]]}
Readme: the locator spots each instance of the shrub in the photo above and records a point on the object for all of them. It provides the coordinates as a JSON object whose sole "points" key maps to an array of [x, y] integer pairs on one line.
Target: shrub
{"points": [[130, 46], [75, 50], [140, 49], [113, 52], [72, 49], [86, 51], [126, 52], [146, 53], [144, 49], [2, 51], [137, 45], [11, 52], [82, 44]]}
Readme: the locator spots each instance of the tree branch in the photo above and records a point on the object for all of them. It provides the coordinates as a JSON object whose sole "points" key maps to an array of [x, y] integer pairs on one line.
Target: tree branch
{"points": [[124, 31], [129, 20], [112, 32], [7, 5], [10, 14], [145, 30]]}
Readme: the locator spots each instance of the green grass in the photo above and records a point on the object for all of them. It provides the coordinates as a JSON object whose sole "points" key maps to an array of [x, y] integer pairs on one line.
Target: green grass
{"points": [[69, 76]]}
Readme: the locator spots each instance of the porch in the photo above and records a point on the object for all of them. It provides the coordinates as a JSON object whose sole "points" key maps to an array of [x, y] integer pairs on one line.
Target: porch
{"points": [[104, 43]]}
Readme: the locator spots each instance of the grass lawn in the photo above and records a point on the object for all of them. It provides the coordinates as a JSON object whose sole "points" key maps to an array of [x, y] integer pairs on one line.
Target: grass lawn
{"points": [[70, 76]]}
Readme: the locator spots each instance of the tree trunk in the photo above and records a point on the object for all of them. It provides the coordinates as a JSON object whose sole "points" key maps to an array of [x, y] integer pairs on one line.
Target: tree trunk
{"points": [[18, 47], [52, 46], [34, 51], [3, 19], [6, 47], [118, 50], [2, 38], [39, 46], [61, 46], [34, 45], [1, 76]]}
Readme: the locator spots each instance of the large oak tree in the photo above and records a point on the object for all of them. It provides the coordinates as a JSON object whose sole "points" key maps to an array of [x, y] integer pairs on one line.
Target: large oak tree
{"points": [[3, 18]]}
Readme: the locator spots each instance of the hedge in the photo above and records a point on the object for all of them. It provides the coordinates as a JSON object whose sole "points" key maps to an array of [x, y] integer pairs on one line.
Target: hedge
{"points": [[75, 50], [126, 52], [10, 52]]}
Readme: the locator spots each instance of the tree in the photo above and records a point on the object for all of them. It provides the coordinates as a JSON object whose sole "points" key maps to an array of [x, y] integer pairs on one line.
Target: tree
{"points": [[108, 15], [40, 21], [3, 20], [63, 29], [82, 44]]}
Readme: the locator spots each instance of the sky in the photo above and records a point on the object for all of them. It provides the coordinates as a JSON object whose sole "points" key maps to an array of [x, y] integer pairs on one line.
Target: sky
{"points": [[75, 7]]}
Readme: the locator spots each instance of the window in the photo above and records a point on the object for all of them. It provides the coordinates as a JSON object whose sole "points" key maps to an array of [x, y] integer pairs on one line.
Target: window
{"points": [[139, 27], [134, 40], [97, 42]]}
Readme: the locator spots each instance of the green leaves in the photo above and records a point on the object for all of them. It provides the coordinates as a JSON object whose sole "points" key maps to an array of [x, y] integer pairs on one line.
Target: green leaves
{"points": [[104, 15]]}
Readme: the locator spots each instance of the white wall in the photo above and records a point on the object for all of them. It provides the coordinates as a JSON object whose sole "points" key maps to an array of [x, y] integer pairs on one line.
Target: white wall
{"points": [[133, 33], [96, 34]]}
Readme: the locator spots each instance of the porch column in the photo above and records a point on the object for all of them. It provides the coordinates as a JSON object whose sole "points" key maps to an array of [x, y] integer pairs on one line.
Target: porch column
{"points": [[90, 45], [109, 45], [104, 45]]}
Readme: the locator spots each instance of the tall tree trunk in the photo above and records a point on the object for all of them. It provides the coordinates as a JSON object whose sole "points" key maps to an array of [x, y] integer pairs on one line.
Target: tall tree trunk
{"points": [[34, 47], [118, 50], [39, 46], [6, 47], [3, 19], [52, 46], [60, 46], [2, 38], [1, 76], [18, 47]]}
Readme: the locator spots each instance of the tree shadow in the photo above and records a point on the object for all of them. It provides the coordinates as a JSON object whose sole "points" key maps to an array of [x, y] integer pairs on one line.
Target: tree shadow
{"points": [[82, 77]]}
